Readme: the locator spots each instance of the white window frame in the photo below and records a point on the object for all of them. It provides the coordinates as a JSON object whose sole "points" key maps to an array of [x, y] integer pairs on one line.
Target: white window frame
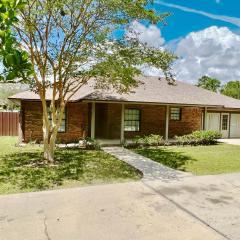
{"points": [[63, 125], [178, 113], [132, 119]]}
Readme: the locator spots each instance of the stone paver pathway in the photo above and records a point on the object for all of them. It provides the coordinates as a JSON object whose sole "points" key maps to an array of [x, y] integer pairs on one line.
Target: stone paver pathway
{"points": [[151, 170]]}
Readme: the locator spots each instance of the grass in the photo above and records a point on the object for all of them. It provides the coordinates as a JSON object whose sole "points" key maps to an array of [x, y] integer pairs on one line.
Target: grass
{"points": [[200, 160], [22, 168]]}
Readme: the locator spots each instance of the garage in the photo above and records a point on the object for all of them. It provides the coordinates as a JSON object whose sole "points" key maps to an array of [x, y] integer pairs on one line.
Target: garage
{"points": [[235, 125], [226, 123]]}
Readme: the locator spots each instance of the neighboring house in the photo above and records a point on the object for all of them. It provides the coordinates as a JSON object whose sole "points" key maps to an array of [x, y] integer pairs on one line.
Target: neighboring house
{"points": [[155, 107]]}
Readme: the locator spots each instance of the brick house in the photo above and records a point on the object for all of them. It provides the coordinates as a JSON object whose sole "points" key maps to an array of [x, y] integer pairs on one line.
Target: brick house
{"points": [[154, 107]]}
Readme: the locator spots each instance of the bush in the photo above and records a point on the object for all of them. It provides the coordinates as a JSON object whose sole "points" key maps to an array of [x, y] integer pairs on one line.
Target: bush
{"points": [[208, 137], [149, 140], [91, 144]]}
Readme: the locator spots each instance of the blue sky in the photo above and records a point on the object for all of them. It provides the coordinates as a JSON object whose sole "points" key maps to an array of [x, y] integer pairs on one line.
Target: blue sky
{"points": [[181, 23], [204, 34]]}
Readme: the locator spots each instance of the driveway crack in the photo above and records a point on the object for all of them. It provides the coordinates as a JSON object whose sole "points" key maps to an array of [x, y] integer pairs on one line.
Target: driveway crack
{"points": [[46, 228]]}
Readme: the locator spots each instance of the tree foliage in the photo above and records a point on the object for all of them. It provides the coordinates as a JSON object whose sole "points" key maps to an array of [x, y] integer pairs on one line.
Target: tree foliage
{"points": [[14, 59], [209, 83], [231, 89], [71, 42]]}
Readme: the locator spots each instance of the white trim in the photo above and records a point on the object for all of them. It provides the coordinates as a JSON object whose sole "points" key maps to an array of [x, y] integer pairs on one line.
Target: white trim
{"points": [[167, 123], [93, 121], [205, 124], [152, 103], [122, 124]]}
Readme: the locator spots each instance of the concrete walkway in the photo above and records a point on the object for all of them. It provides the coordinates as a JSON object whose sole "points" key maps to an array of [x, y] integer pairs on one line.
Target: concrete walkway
{"points": [[151, 170]]}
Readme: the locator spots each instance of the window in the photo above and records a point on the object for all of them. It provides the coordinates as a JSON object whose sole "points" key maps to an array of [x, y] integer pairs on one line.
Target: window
{"points": [[225, 122], [132, 120], [62, 127], [175, 114]]}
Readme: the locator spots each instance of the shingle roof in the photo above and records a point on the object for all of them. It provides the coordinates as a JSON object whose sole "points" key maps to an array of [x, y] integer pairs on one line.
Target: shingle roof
{"points": [[153, 90]]}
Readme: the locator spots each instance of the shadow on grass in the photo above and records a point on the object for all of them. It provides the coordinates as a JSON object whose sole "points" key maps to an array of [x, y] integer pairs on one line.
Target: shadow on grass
{"points": [[27, 171], [167, 157]]}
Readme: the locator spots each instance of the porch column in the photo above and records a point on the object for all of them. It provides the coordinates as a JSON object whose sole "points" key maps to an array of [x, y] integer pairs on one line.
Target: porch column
{"points": [[167, 123], [122, 124], [93, 121], [205, 122]]}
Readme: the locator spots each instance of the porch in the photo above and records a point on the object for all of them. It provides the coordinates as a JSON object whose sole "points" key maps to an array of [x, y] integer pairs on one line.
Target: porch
{"points": [[115, 123]]}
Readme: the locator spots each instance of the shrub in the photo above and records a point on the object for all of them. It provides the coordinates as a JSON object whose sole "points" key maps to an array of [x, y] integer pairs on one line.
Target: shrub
{"points": [[91, 144], [149, 140], [208, 137]]}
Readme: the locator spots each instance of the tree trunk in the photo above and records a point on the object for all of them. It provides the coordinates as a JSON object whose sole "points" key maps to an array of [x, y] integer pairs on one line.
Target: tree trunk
{"points": [[49, 139], [48, 153], [49, 142], [50, 131]]}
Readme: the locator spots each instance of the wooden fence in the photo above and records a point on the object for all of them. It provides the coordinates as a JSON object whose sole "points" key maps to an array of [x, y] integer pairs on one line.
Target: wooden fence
{"points": [[9, 122]]}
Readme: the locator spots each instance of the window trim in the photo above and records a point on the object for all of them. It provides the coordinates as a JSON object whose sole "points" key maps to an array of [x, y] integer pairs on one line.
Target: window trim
{"points": [[223, 123], [180, 114], [140, 119]]}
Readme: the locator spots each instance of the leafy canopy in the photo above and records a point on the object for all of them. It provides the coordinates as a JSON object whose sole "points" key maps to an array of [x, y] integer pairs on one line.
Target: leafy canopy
{"points": [[70, 41], [14, 60], [231, 89], [209, 83]]}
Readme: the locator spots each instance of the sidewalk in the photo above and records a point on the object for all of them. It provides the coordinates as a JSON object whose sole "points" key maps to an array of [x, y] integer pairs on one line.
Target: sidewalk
{"points": [[151, 170]]}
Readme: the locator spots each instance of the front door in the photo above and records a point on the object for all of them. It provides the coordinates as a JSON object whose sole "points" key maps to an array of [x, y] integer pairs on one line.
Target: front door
{"points": [[225, 125]]}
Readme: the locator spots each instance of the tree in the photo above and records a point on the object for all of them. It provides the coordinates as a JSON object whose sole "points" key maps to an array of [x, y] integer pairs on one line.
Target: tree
{"points": [[14, 60], [209, 83], [232, 89], [7, 90], [73, 41]]}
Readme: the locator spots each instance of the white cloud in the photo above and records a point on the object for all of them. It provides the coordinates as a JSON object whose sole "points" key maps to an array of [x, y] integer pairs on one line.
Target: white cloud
{"points": [[150, 35], [151, 71], [233, 20], [214, 51]]}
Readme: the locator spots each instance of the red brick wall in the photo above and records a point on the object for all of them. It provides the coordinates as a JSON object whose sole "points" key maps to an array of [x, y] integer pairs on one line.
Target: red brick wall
{"points": [[152, 120], [76, 128], [191, 120], [108, 121]]}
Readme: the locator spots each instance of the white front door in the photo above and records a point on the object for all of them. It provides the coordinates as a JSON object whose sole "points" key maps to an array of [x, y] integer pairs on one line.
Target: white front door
{"points": [[225, 125], [213, 121], [235, 125]]}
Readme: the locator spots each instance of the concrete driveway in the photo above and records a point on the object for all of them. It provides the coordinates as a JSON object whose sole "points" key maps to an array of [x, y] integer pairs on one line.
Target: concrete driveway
{"points": [[233, 141], [126, 211], [214, 200]]}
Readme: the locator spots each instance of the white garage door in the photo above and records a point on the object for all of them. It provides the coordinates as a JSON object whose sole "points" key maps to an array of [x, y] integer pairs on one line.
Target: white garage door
{"points": [[235, 125], [213, 121]]}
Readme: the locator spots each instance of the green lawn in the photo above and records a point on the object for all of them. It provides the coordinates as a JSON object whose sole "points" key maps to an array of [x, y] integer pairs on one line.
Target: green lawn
{"points": [[22, 168], [200, 160]]}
